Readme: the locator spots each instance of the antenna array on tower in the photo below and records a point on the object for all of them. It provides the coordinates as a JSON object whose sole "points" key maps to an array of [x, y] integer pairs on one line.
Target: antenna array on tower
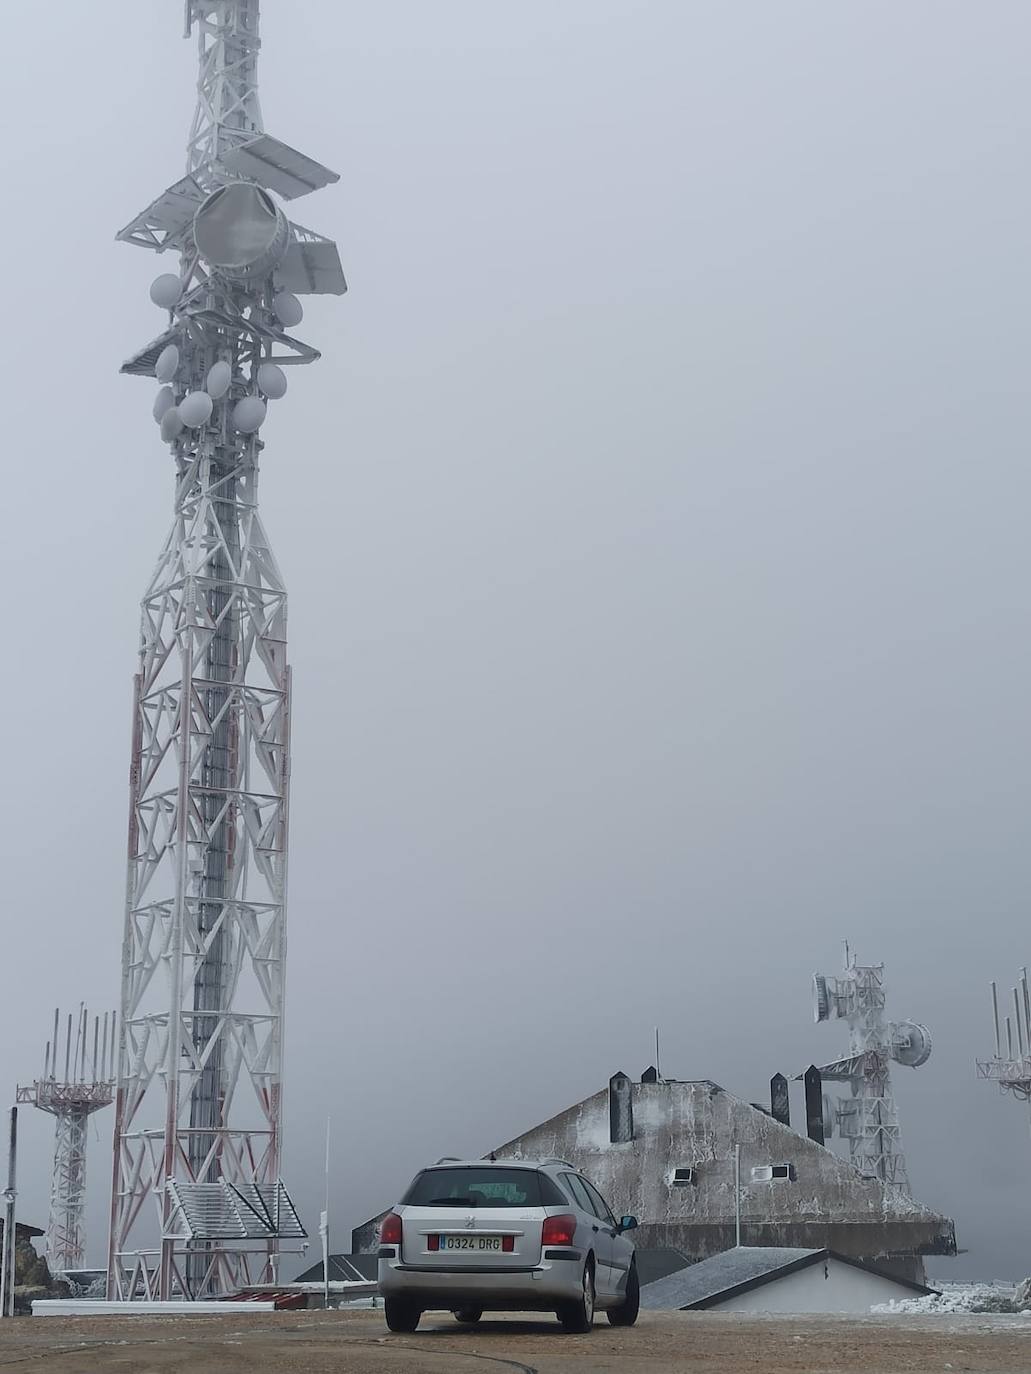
{"points": [[868, 1118], [78, 1080]]}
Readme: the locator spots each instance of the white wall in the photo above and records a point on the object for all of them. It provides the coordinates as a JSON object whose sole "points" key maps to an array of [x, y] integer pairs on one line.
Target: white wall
{"points": [[830, 1287]]}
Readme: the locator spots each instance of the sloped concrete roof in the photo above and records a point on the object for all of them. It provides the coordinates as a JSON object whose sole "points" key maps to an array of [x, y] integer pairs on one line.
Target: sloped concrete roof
{"points": [[735, 1271]]}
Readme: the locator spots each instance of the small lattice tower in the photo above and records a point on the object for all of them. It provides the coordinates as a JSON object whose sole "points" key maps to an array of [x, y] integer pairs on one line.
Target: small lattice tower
{"points": [[74, 1085], [868, 1117]]}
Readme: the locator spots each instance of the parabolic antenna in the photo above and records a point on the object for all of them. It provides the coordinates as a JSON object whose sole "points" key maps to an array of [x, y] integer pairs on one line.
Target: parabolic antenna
{"points": [[911, 1044], [821, 999], [240, 231]]}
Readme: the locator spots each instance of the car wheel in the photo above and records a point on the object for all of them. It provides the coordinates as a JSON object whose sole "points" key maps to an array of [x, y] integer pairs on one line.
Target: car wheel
{"points": [[578, 1317], [626, 1313], [401, 1314], [468, 1315]]}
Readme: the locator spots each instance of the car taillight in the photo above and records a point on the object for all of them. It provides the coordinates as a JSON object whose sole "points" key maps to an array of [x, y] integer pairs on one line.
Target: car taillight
{"points": [[508, 1244], [390, 1231], [432, 1242], [559, 1230]]}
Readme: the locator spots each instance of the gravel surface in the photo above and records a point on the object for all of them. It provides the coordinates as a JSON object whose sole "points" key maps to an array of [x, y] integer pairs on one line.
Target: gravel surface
{"points": [[662, 1343]]}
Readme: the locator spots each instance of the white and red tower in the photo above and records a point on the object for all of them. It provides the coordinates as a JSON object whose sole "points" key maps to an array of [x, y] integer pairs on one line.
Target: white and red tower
{"points": [[198, 1207]]}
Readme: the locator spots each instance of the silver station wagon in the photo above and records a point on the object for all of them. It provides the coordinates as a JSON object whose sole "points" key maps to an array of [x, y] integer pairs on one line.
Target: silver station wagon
{"points": [[509, 1236]]}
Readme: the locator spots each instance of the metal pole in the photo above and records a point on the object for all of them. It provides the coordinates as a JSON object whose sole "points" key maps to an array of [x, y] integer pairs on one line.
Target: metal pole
{"points": [[1019, 1020], [737, 1196], [658, 1070], [10, 1193], [324, 1228], [995, 1017]]}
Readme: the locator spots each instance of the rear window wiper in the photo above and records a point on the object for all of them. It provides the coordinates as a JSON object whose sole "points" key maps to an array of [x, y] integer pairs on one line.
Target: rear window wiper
{"points": [[449, 1202]]}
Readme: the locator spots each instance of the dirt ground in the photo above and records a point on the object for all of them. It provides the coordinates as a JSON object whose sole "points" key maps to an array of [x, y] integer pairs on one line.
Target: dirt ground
{"points": [[662, 1343]]}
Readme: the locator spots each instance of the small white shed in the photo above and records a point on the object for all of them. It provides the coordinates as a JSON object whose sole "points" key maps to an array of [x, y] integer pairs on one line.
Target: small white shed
{"points": [[760, 1279]]}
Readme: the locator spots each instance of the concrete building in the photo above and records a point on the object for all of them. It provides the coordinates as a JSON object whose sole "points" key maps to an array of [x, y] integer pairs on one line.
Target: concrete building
{"points": [[756, 1279], [665, 1151]]}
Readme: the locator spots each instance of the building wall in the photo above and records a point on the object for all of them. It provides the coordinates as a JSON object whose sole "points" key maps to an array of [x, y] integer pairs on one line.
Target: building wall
{"points": [[697, 1125], [826, 1287]]}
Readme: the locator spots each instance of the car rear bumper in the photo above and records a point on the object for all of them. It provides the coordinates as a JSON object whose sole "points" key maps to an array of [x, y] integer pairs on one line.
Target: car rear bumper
{"points": [[517, 1290]]}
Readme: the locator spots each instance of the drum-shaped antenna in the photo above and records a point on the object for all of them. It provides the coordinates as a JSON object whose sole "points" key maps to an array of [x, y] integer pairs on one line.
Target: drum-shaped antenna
{"points": [[241, 231], [821, 999], [911, 1044]]}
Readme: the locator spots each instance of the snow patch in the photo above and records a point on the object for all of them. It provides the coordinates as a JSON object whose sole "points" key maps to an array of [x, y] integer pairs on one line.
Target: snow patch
{"points": [[956, 1297]]}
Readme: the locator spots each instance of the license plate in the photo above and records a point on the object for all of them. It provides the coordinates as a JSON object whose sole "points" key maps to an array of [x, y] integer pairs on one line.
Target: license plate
{"points": [[478, 1243]]}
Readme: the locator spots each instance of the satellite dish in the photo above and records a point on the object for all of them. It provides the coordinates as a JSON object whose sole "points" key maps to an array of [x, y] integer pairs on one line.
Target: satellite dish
{"points": [[288, 308], [240, 231], [195, 409], [163, 402], [821, 999], [911, 1044], [167, 364], [171, 425], [272, 381], [219, 380], [166, 290], [249, 414]]}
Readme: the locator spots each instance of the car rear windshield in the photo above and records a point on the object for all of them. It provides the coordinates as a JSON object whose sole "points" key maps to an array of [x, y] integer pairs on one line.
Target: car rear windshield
{"points": [[471, 1187]]}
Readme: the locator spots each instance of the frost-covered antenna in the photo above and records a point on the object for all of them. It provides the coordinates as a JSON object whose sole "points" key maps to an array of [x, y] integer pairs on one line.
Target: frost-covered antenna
{"points": [[78, 1080], [198, 1128], [868, 1118], [1011, 1068]]}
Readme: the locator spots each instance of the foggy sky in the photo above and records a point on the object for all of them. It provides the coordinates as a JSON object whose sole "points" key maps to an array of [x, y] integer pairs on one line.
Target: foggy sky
{"points": [[656, 533]]}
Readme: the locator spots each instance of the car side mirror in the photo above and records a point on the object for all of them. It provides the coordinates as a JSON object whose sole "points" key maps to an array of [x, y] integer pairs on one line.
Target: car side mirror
{"points": [[628, 1223]]}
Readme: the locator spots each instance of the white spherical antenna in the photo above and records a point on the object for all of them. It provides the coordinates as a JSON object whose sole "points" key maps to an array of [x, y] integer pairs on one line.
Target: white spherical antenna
{"points": [[240, 231], [219, 379], [195, 409], [911, 1044], [821, 999], [249, 414], [167, 364], [272, 381], [163, 402], [289, 309], [166, 290], [171, 425]]}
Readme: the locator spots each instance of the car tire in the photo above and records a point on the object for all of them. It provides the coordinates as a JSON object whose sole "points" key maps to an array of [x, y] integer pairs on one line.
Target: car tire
{"points": [[626, 1313], [577, 1317], [401, 1314], [468, 1316]]}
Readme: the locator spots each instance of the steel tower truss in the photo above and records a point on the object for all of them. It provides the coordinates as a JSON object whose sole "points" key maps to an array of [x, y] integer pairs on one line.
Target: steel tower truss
{"points": [[868, 1118], [199, 1098], [83, 1088]]}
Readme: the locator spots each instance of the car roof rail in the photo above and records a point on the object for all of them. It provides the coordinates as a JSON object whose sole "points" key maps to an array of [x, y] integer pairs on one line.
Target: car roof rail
{"points": [[564, 1162], [448, 1159]]}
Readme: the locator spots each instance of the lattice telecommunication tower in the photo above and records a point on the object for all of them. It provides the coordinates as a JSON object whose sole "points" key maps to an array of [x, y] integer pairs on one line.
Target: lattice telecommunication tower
{"points": [[1012, 1070], [198, 1208], [868, 1118], [74, 1085]]}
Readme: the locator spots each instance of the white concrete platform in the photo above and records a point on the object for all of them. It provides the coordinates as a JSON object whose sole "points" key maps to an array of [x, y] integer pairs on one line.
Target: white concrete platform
{"points": [[95, 1307]]}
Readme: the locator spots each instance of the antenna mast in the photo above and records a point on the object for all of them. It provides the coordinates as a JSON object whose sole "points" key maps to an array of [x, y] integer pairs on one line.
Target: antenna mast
{"points": [[86, 1087], [868, 1117], [198, 1130], [1012, 1071]]}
